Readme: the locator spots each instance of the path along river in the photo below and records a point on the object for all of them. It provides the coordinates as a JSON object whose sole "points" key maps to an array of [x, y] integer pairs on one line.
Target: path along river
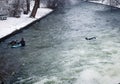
{"points": [[56, 51]]}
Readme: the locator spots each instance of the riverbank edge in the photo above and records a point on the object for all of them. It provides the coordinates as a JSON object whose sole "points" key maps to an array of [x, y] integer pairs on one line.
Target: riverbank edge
{"points": [[101, 3], [25, 27]]}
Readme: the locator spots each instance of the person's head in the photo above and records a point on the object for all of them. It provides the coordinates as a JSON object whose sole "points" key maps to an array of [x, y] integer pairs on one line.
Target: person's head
{"points": [[22, 38], [86, 38]]}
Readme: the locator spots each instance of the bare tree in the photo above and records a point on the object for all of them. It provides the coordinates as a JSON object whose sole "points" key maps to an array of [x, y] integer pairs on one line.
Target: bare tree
{"points": [[27, 8], [34, 10], [38, 3], [3, 7], [15, 7]]}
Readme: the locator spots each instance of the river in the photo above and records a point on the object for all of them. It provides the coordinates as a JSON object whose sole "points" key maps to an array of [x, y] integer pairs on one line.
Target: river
{"points": [[57, 52]]}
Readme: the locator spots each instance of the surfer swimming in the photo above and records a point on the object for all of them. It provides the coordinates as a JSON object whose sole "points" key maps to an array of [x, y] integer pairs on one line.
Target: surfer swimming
{"points": [[90, 38]]}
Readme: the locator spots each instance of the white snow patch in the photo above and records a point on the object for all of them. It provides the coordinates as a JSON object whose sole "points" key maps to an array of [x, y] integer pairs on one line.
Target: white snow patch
{"points": [[12, 24], [105, 2]]}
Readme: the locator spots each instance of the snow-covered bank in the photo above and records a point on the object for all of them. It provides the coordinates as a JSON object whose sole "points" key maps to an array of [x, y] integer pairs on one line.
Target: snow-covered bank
{"points": [[104, 2], [12, 24], [101, 2]]}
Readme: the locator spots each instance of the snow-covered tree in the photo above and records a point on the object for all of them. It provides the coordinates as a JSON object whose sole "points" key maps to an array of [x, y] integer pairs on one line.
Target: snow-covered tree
{"points": [[14, 7], [26, 7], [3, 7]]}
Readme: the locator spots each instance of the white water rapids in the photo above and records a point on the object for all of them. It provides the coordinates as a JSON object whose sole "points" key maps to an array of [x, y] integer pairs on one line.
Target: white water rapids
{"points": [[87, 62], [57, 52]]}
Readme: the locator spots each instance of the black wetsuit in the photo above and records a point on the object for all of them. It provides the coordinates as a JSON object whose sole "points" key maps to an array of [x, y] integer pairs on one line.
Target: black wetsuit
{"points": [[22, 42]]}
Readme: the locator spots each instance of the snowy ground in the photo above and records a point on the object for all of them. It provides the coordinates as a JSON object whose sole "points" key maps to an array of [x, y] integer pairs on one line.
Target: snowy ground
{"points": [[12, 24], [104, 2], [101, 2]]}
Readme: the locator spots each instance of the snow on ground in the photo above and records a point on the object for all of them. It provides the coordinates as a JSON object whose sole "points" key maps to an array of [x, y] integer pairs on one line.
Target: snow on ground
{"points": [[101, 2], [12, 24], [104, 2]]}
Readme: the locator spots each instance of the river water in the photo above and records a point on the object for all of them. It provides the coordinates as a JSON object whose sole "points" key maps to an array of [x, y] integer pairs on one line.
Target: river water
{"points": [[56, 51]]}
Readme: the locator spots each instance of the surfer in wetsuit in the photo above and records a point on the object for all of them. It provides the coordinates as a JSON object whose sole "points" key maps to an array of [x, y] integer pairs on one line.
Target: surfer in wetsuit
{"points": [[90, 38], [22, 42], [13, 42]]}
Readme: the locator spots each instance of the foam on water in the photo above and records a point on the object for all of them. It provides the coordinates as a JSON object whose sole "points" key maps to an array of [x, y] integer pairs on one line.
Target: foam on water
{"points": [[93, 62], [91, 76], [85, 67], [74, 60], [52, 80], [88, 76]]}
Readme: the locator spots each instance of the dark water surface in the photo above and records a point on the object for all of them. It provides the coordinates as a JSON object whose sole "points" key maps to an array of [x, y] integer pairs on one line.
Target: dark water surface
{"points": [[56, 51]]}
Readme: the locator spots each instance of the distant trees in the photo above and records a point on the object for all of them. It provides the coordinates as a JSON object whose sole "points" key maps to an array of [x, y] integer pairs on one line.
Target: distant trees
{"points": [[112, 2], [3, 7], [52, 3], [27, 7], [55, 3], [49, 3], [14, 8]]}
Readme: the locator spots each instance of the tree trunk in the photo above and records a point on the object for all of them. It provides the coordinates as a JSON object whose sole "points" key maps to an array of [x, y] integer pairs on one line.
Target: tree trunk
{"points": [[38, 3], [28, 5], [17, 9], [36, 6]]}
